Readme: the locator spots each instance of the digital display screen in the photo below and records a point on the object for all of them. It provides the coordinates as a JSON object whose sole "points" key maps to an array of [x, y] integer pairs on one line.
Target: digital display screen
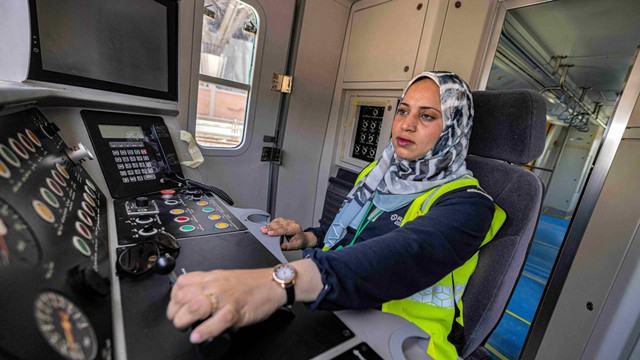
{"points": [[117, 45], [120, 132]]}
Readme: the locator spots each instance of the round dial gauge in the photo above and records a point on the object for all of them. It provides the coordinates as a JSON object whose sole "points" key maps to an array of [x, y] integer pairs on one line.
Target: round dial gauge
{"points": [[65, 327], [17, 243]]}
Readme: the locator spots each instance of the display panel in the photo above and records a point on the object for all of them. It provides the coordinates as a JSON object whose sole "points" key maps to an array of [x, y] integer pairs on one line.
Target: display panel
{"points": [[120, 131], [117, 45]]}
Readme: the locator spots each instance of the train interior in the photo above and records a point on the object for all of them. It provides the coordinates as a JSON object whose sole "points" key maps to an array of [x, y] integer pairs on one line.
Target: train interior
{"points": [[126, 124]]}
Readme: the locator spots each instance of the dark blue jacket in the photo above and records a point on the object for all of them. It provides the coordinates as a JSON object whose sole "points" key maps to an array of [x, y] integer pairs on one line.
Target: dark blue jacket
{"points": [[389, 262]]}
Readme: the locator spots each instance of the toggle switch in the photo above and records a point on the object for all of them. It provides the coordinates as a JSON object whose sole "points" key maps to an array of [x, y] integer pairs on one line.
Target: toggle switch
{"points": [[78, 153]]}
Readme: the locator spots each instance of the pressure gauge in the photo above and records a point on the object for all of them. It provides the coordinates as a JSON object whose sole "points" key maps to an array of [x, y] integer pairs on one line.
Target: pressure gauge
{"points": [[65, 327]]}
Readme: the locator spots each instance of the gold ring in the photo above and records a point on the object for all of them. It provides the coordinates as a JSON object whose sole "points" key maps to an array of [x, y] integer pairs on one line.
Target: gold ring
{"points": [[213, 300]]}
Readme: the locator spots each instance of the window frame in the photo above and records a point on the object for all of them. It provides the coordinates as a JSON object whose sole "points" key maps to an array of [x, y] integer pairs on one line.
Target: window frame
{"points": [[252, 90]]}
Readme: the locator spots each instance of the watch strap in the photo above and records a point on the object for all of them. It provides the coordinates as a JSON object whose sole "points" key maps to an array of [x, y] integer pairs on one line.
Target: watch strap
{"points": [[291, 295]]}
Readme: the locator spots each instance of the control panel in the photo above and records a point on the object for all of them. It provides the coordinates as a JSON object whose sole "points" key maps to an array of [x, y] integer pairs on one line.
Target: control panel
{"points": [[184, 213], [366, 127], [367, 137], [54, 256], [135, 152]]}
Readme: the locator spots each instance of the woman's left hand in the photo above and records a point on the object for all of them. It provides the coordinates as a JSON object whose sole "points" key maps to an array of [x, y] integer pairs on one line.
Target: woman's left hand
{"points": [[225, 298]]}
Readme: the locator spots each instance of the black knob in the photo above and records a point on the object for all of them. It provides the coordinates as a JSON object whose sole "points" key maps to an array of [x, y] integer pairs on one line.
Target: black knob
{"points": [[213, 348], [142, 201], [144, 219], [165, 264], [87, 282], [147, 231]]}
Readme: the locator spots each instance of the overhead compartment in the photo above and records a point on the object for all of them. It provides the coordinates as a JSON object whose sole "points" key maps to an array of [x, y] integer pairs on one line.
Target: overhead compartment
{"points": [[384, 41]]}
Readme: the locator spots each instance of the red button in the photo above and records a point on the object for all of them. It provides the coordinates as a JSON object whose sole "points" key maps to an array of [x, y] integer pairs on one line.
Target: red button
{"points": [[167, 192]]}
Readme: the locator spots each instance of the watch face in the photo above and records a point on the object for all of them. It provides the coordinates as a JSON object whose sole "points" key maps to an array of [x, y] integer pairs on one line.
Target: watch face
{"points": [[285, 273]]}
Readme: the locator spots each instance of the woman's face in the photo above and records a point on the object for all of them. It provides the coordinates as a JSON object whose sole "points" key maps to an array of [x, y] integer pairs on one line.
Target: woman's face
{"points": [[418, 123]]}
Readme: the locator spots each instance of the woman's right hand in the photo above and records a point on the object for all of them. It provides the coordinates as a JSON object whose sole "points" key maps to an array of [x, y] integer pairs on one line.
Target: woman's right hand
{"points": [[292, 231]]}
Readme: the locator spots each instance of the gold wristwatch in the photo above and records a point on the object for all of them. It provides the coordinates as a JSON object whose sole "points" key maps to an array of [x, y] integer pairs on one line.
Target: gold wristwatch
{"points": [[285, 275]]}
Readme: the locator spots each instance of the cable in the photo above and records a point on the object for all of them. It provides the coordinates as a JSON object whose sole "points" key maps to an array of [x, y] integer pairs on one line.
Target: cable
{"points": [[221, 194], [188, 182]]}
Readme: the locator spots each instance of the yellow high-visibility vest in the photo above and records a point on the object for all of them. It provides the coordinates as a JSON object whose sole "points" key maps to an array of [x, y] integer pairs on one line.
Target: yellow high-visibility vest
{"points": [[433, 309]]}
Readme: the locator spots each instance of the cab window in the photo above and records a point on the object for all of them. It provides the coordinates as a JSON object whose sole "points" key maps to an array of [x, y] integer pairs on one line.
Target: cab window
{"points": [[229, 30]]}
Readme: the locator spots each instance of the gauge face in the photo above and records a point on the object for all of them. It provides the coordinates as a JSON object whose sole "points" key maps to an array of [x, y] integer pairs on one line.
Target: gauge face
{"points": [[65, 327], [17, 243]]}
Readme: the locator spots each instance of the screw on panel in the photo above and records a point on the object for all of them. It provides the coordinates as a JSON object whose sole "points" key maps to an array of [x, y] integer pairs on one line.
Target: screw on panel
{"points": [[419, 7], [590, 306], [406, 68], [458, 4]]}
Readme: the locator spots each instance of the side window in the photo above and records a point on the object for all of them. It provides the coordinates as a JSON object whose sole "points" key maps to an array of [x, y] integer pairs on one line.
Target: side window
{"points": [[229, 30]]}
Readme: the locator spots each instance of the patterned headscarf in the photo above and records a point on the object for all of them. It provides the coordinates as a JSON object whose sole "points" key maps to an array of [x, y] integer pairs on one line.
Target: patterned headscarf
{"points": [[442, 164]]}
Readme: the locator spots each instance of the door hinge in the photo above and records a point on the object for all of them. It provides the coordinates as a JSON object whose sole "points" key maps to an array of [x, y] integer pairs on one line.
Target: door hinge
{"points": [[269, 139], [282, 83], [271, 154]]}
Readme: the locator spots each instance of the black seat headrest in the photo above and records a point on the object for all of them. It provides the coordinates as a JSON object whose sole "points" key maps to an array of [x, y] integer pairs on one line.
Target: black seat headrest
{"points": [[508, 125]]}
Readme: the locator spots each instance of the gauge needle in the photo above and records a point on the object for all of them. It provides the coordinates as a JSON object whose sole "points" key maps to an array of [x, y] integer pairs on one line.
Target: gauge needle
{"points": [[4, 249], [66, 326]]}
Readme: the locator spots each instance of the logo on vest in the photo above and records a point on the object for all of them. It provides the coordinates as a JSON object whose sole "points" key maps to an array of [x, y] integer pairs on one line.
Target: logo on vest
{"points": [[396, 219]]}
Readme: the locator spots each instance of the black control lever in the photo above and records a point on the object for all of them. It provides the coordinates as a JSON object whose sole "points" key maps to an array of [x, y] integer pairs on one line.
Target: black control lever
{"points": [[217, 347], [212, 348], [165, 265]]}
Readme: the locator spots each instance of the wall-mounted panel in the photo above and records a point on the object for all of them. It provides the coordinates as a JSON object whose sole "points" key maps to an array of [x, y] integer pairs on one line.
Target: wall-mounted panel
{"points": [[366, 127]]}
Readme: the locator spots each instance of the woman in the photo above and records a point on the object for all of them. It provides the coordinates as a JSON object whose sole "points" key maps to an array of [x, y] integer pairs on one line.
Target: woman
{"points": [[407, 235]]}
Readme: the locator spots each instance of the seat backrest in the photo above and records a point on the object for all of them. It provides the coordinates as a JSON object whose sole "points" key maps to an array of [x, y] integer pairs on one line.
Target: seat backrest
{"points": [[508, 130], [339, 187]]}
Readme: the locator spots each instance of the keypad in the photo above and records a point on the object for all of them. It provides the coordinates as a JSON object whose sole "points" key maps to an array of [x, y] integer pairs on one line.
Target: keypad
{"points": [[133, 161]]}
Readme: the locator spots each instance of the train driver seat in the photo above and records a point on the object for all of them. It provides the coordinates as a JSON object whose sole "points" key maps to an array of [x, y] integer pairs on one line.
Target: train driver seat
{"points": [[508, 131]]}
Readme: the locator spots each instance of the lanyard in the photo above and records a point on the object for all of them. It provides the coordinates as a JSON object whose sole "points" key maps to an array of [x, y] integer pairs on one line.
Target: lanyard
{"points": [[366, 219]]}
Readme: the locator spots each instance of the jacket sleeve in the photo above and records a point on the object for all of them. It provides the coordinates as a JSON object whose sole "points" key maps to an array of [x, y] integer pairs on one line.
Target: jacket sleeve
{"points": [[406, 260]]}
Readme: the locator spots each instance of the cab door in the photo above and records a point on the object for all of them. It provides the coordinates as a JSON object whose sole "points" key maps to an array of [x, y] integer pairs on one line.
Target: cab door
{"points": [[237, 48]]}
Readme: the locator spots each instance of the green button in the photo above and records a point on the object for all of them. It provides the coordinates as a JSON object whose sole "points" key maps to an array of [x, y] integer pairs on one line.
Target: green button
{"points": [[187, 228], [48, 196], [208, 209], [82, 246], [10, 156]]}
